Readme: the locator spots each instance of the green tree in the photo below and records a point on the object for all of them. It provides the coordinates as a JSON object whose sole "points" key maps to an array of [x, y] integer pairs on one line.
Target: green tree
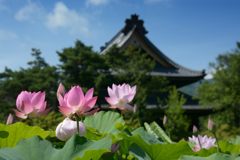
{"points": [[38, 61], [38, 76], [9, 87], [223, 92], [80, 65], [41, 76], [178, 123], [132, 65]]}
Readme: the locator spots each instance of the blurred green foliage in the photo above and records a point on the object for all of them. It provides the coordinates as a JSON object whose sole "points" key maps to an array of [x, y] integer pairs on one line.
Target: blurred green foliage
{"points": [[134, 66], [177, 125], [80, 65], [47, 122], [37, 76], [223, 92]]}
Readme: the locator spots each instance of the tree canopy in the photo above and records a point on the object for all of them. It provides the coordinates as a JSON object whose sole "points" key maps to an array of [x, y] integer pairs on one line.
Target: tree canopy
{"points": [[223, 91], [132, 65], [37, 76], [80, 65]]}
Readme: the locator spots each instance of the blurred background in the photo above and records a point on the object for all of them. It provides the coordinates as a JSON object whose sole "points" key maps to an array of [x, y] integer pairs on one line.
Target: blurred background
{"points": [[184, 57]]}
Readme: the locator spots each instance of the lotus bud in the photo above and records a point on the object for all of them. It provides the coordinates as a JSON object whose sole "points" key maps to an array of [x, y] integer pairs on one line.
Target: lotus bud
{"points": [[135, 108], [210, 124], [68, 128], [195, 129], [114, 147], [164, 120], [9, 119]]}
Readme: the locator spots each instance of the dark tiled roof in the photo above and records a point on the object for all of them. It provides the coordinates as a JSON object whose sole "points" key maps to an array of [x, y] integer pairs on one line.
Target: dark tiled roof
{"points": [[135, 26]]}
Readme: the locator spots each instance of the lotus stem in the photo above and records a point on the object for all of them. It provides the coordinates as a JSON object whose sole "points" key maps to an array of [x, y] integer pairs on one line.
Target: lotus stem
{"points": [[218, 148], [199, 142], [77, 120]]}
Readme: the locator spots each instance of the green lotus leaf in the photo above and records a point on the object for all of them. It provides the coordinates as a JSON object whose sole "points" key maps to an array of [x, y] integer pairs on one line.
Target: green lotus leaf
{"points": [[215, 156], [18, 131], [105, 122], [157, 131], [159, 151], [235, 140], [146, 136], [228, 147], [4, 134], [76, 148]]}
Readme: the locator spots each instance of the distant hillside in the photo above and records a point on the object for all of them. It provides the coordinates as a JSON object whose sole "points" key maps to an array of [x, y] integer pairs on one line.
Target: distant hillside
{"points": [[192, 88]]}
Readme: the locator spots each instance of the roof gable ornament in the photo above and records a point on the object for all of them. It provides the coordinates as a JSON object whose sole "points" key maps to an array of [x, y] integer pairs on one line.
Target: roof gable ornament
{"points": [[134, 33], [134, 22]]}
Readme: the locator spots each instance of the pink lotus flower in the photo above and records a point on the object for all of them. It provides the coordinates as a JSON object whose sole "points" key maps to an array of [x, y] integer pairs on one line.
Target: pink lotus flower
{"points": [[30, 104], [120, 96], [75, 101], [200, 142], [67, 128]]}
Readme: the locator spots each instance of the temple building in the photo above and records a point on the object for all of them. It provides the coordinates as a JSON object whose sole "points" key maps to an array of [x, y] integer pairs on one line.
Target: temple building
{"points": [[134, 33]]}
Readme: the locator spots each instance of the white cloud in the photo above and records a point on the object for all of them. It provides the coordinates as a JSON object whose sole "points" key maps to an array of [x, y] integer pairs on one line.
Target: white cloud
{"points": [[7, 35], [210, 73], [29, 12], [208, 76], [65, 18], [97, 2]]}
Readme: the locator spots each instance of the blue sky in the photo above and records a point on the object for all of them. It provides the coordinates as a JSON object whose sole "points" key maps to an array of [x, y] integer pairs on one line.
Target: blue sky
{"points": [[191, 32]]}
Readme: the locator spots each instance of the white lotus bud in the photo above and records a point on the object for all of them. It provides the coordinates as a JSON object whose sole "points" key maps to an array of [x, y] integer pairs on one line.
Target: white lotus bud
{"points": [[210, 124], [9, 119], [164, 120], [67, 128], [195, 129]]}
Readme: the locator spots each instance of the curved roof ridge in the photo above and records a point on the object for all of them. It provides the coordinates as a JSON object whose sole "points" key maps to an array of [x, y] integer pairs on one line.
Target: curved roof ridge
{"points": [[102, 48], [173, 63], [134, 27], [118, 39]]}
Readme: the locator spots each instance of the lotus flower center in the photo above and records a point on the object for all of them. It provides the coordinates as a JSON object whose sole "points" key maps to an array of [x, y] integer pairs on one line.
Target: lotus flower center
{"points": [[122, 102]]}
